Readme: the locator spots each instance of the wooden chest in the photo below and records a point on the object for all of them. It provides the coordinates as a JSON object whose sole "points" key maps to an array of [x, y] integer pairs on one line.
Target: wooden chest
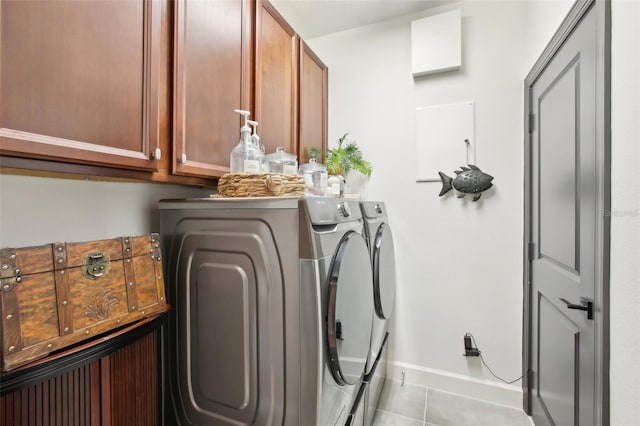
{"points": [[56, 295]]}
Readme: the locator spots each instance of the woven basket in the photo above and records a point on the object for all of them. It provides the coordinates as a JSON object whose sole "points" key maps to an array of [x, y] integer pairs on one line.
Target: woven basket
{"points": [[260, 185]]}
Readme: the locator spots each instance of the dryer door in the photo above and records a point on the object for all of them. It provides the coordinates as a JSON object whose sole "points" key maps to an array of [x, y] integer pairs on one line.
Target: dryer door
{"points": [[349, 310], [384, 272]]}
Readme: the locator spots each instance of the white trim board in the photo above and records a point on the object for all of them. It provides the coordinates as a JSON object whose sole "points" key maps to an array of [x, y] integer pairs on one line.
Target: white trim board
{"points": [[485, 390]]}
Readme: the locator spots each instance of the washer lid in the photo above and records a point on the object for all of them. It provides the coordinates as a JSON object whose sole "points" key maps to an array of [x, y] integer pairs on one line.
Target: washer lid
{"points": [[349, 309], [384, 272]]}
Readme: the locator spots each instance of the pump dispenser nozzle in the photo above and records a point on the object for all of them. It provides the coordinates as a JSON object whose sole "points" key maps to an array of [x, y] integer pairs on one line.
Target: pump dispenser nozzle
{"points": [[254, 136], [256, 140], [246, 119]]}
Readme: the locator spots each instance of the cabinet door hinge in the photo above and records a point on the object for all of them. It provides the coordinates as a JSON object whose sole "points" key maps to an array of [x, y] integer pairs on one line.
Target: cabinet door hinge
{"points": [[532, 122]]}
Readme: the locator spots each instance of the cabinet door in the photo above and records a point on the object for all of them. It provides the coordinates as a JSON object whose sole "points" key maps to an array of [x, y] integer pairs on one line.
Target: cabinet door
{"points": [[276, 79], [212, 78], [79, 81], [313, 104]]}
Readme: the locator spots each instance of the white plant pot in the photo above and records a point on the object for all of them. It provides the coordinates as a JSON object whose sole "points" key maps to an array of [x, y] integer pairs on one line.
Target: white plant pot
{"points": [[356, 185]]}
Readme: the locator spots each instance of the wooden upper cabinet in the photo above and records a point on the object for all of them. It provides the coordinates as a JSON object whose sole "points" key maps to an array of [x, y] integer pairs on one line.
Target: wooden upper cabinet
{"points": [[313, 104], [276, 79], [212, 78], [79, 81]]}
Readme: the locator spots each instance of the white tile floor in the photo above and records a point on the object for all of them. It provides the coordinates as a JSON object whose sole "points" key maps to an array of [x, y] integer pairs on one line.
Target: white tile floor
{"points": [[411, 405]]}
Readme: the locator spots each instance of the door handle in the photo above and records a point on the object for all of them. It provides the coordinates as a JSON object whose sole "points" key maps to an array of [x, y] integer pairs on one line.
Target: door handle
{"points": [[585, 305], [339, 330]]}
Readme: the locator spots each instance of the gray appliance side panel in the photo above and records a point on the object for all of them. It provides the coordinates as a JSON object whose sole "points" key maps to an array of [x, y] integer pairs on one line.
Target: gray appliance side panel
{"points": [[312, 343], [221, 332], [233, 271]]}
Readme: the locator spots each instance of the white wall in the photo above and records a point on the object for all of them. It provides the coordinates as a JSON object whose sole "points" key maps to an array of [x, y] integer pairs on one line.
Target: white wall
{"points": [[36, 210], [459, 263], [625, 213], [543, 19]]}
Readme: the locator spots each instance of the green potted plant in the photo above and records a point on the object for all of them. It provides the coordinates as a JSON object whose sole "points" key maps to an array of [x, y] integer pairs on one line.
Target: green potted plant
{"points": [[346, 157], [347, 162]]}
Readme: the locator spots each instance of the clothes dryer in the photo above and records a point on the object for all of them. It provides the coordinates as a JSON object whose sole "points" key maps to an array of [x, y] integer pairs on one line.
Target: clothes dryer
{"points": [[380, 242]]}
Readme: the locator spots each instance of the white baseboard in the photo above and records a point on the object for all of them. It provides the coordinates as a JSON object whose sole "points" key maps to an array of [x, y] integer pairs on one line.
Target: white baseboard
{"points": [[485, 390]]}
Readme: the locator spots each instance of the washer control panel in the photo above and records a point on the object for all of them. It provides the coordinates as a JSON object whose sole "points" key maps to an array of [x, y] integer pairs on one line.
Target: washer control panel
{"points": [[343, 209]]}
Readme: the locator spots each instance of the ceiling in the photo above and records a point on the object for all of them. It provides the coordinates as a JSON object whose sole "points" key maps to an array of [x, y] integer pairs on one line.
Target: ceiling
{"points": [[315, 18]]}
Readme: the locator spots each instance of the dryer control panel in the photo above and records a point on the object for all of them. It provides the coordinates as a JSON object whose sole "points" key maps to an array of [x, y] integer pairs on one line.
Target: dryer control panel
{"points": [[332, 211]]}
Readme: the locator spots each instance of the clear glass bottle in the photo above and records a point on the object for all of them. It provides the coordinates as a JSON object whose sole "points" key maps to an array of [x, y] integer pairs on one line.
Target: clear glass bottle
{"points": [[264, 167], [246, 156]]}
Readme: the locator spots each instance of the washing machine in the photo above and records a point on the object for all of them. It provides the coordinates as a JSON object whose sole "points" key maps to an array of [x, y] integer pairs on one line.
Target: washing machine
{"points": [[271, 310], [337, 309], [381, 250]]}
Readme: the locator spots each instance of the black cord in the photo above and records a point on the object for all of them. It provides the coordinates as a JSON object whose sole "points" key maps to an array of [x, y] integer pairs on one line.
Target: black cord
{"points": [[485, 364]]}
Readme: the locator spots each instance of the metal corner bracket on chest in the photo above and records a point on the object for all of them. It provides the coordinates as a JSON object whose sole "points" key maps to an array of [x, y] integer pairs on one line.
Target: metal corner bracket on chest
{"points": [[56, 295]]}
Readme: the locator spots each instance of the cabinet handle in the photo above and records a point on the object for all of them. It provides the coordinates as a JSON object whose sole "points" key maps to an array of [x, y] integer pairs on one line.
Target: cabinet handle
{"points": [[157, 154], [183, 158]]}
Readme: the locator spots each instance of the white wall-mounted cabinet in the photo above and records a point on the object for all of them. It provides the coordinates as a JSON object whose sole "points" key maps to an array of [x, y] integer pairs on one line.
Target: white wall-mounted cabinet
{"points": [[436, 43]]}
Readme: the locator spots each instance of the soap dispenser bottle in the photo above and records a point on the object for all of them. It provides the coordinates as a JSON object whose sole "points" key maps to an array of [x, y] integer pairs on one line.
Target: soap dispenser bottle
{"points": [[245, 157], [264, 167]]}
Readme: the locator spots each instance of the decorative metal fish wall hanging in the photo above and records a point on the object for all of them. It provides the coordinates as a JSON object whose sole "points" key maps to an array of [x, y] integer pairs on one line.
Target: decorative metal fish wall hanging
{"points": [[469, 180]]}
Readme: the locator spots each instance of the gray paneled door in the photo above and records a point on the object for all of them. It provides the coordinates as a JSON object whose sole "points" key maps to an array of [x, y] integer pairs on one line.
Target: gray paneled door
{"points": [[563, 232]]}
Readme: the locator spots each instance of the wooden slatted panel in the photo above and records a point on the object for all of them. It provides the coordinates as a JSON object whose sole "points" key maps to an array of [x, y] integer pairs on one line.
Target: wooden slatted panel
{"points": [[61, 400], [122, 388], [134, 383]]}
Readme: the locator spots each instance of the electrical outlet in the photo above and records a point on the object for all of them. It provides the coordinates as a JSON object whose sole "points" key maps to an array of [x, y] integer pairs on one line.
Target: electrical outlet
{"points": [[469, 350]]}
